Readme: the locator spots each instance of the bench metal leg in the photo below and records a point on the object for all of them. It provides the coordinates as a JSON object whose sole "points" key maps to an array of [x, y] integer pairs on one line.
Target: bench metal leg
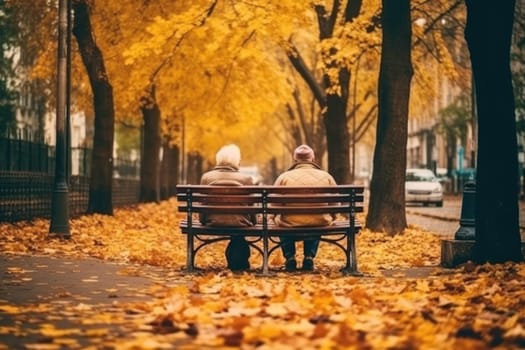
{"points": [[265, 255], [351, 258], [189, 253]]}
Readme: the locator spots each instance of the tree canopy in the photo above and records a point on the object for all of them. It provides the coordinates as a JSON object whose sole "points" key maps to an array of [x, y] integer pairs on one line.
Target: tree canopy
{"points": [[222, 67]]}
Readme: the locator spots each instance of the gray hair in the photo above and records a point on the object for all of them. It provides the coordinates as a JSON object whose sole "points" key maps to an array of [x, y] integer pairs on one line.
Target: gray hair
{"points": [[229, 155]]}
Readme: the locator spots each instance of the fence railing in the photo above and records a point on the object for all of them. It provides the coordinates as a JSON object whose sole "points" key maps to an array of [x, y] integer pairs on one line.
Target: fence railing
{"points": [[29, 156], [27, 195], [22, 155]]}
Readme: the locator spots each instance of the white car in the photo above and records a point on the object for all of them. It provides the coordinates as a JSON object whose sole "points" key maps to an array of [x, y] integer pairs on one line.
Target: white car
{"points": [[422, 186], [252, 171]]}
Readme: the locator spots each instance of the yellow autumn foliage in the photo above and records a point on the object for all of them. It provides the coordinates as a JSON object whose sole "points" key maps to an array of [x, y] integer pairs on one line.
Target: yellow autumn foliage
{"points": [[221, 71]]}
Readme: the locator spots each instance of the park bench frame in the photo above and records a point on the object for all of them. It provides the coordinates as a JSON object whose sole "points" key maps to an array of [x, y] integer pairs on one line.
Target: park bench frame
{"points": [[264, 202]]}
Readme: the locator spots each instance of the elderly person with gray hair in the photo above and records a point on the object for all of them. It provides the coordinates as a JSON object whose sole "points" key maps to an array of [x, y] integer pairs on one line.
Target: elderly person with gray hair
{"points": [[303, 172], [226, 172]]}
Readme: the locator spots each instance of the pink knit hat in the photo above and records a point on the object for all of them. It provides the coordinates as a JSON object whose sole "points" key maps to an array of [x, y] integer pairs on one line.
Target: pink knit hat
{"points": [[303, 153]]}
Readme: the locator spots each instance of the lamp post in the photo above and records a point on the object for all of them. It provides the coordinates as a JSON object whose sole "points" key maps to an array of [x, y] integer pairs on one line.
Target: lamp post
{"points": [[60, 205], [184, 163], [521, 170]]}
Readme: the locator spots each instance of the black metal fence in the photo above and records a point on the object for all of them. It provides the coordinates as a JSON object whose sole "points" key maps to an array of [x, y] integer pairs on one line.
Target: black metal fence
{"points": [[27, 195], [27, 177], [22, 155], [29, 156]]}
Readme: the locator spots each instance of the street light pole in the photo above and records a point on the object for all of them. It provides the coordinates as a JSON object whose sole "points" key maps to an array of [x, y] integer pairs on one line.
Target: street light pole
{"points": [[184, 164], [60, 205], [68, 92]]}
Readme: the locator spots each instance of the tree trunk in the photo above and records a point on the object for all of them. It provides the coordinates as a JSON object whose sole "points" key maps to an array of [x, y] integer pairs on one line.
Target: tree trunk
{"points": [[451, 152], [172, 155], [164, 172], [100, 186], [337, 137], [169, 171], [150, 160], [386, 210], [295, 130], [488, 34], [195, 167]]}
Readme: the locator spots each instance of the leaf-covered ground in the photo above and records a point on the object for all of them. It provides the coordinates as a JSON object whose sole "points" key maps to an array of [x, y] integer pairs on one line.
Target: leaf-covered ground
{"points": [[403, 301]]}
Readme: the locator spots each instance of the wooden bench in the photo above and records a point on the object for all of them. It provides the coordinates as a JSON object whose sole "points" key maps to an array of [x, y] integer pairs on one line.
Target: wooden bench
{"points": [[265, 202]]}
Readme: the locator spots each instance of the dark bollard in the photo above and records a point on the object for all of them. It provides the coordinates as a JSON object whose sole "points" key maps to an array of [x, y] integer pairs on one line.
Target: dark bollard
{"points": [[458, 251], [467, 222]]}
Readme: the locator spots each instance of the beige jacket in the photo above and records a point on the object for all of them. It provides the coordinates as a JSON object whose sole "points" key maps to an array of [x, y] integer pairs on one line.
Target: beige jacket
{"points": [[226, 175], [304, 174]]}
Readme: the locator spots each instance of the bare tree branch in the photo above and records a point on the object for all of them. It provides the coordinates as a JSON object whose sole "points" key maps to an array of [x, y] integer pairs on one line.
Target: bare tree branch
{"points": [[352, 9], [301, 67]]}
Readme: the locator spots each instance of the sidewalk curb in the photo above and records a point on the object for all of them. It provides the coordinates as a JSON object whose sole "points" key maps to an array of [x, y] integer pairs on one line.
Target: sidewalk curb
{"points": [[444, 218], [433, 216]]}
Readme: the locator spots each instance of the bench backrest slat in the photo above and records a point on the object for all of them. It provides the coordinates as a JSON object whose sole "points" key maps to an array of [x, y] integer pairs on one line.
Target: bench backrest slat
{"points": [[212, 199], [309, 198], [271, 210], [223, 199], [223, 209], [214, 189]]}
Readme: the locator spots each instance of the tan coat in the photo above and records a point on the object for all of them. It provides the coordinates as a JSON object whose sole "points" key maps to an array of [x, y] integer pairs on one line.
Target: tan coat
{"points": [[226, 175], [304, 174]]}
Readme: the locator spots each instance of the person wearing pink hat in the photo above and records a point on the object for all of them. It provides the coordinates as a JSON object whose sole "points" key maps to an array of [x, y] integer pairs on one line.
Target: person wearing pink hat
{"points": [[303, 172]]}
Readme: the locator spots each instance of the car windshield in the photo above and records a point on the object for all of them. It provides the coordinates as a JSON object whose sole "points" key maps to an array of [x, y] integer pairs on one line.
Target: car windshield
{"points": [[420, 176]]}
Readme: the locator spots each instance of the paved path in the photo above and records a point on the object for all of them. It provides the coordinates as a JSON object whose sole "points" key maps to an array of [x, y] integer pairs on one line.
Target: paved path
{"points": [[31, 279], [441, 220], [92, 300], [446, 220]]}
